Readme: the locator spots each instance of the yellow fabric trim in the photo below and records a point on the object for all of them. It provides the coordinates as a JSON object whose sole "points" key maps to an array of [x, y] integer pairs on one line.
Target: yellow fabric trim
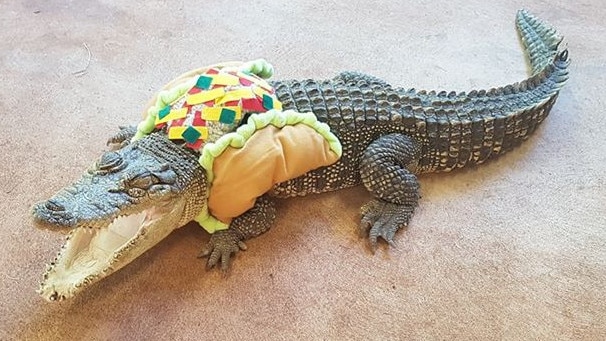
{"points": [[259, 91], [172, 115], [177, 132], [214, 113], [225, 79], [205, 96], [235, 95], [277, 103]]}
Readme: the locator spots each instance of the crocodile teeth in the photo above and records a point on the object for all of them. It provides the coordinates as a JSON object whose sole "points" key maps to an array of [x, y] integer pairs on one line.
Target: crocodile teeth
{"points": [[91, 253], [87, 253]]}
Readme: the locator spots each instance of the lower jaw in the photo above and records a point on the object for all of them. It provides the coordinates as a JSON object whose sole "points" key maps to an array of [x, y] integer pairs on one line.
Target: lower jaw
{"points": [[75, 269]]}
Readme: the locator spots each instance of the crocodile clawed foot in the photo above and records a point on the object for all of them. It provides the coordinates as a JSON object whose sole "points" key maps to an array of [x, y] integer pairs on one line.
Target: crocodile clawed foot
{"points": [[383, 219], [122, 138], [220, 247]]}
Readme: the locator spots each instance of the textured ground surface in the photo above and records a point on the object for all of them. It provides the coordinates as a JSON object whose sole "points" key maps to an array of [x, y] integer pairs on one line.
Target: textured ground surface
{"points": [[511, 250]]}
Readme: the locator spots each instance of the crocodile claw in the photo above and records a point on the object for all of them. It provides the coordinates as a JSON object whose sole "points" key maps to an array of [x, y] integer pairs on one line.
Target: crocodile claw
{"points": [[220, 247], [383, 219], [122, 138]]}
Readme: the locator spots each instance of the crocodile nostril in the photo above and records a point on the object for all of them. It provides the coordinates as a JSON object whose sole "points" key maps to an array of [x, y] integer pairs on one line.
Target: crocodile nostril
{"points": [[53, 206]]}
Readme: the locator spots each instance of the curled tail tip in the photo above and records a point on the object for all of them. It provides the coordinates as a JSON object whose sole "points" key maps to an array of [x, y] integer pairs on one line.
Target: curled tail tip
{"points": [[524, 14], [528, 21], [563, 58], [542, 42]]}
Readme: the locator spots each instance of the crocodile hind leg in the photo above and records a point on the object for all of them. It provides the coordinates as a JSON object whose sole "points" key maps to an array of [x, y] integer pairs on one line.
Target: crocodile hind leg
{"points": [[251, 223], [388, 169]]}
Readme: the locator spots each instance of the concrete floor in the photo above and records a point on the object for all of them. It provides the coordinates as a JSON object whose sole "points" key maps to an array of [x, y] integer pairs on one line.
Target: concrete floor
{"points": [[512, 250]]}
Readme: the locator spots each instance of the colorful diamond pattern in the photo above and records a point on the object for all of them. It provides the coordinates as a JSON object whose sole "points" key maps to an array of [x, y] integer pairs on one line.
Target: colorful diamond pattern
{"points": [[191, 135], [204, 82], [228, 116], [217, 96], [164, 112]]}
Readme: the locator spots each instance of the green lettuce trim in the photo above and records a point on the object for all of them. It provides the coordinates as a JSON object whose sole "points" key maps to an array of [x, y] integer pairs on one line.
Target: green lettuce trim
{"points": [[259, 67], [238, 138]]}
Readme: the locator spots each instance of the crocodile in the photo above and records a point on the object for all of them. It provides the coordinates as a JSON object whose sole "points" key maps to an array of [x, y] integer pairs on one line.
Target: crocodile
{"points": [[137, 194]]}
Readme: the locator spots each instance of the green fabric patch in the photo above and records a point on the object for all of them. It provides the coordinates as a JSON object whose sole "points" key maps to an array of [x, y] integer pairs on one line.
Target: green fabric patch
{"points": [[204, 82], [191, 135], [164, 112], [228, 116], [268, 102]]}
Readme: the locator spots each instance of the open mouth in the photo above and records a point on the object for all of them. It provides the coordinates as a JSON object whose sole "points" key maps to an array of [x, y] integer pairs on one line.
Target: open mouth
{"points": [[91, 253]]}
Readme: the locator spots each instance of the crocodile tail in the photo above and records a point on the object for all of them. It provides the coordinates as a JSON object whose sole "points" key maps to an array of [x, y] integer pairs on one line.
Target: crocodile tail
{"points": [[540, 40], [549, 63], [506, 116], [470, 128]]}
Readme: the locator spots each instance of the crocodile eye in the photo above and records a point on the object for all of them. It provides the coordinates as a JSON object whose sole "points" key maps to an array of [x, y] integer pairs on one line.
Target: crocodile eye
{"points": [[136, 192], [143, 181], [110, 161]]}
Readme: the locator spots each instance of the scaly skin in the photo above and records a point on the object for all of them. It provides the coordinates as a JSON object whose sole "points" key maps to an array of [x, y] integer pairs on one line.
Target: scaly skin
{"points": [[125, 204], [453, 129], [388, 134]]}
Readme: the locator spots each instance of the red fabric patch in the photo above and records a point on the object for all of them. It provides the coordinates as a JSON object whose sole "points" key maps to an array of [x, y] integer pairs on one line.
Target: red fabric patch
{"points": [[245, 81], [212, 71], [197, 145], [252, 104], [194, 90], [198, 121], [231, 104], [177, 123]]}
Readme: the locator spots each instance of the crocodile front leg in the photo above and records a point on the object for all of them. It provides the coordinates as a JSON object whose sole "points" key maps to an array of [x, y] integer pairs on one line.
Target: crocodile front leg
{"points": [[387, 169], [120, 139], [252, 223]]}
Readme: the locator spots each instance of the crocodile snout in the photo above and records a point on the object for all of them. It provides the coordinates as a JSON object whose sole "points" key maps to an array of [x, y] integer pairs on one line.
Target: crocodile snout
{"points": [[53, 206], [52, 214]]}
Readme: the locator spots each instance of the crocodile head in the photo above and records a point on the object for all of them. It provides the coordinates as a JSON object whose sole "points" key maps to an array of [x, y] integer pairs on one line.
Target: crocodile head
{"points": [[125, 204]]}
